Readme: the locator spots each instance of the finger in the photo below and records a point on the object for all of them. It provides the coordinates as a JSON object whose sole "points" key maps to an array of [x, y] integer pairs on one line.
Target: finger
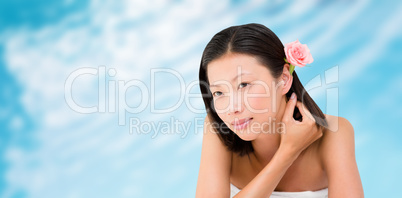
{"points": [[304, 111], [290, 107]]}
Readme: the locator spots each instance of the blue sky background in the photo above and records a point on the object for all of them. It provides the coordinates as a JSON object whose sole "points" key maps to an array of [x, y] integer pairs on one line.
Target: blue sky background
{"points": [[49, 150]]}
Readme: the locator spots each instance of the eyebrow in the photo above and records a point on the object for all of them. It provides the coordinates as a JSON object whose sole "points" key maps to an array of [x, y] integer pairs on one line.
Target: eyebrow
{"points": [[233, 79]]}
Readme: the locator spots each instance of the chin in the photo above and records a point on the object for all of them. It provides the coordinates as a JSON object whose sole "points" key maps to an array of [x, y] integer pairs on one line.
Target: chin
{"points": [[247, 135]]}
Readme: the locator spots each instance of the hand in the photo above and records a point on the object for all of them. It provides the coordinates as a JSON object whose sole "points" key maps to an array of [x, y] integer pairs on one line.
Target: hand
{"points": [[298, 135]]}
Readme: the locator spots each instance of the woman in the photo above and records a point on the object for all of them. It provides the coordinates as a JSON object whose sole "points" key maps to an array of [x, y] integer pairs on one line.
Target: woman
{"points": [[264, 135]]}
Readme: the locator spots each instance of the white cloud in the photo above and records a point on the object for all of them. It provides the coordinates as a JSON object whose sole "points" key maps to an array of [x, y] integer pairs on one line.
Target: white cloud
{"points": [[70, 143]]}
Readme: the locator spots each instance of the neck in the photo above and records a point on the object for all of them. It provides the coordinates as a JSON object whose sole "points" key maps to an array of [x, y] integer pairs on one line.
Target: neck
{"points": [[266, 145]]}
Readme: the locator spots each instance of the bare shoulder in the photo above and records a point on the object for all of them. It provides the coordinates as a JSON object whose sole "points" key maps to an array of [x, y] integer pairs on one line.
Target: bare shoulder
{"points": [[336, 123], [337, 154], [339, 133], [214, 172]]}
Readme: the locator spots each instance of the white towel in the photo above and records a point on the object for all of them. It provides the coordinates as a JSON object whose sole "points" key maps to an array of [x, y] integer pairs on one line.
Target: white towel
{"points": [[276, 194]]}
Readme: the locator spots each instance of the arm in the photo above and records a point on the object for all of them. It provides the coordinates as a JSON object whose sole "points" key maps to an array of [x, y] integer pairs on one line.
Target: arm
{"points": [[338, 158], [214, 173], [266, 181]]}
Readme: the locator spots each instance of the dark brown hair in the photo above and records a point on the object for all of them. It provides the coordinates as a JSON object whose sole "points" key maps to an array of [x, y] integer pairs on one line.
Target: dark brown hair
{"points": [[258, 41]]}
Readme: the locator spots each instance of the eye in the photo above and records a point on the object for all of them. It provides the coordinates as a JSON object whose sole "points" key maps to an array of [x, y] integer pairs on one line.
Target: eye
{"points": [[217, 93], [243, 84]]}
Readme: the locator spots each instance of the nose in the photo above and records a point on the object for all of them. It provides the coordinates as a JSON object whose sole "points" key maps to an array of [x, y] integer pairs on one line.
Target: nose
{"points": [[235, 106]]}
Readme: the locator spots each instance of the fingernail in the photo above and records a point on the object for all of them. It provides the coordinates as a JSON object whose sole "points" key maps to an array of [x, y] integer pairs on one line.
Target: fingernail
{"points": [[293, 96]]}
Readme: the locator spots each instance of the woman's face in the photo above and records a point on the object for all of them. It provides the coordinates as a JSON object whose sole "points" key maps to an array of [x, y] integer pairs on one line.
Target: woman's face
{"points": [[245, 95]]}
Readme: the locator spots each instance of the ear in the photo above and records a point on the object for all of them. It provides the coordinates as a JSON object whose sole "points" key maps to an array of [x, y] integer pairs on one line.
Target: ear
{"points": [[287, 79]]}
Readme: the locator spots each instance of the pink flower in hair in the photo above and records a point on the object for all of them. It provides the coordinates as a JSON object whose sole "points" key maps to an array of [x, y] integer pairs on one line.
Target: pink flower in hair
{"points": [[297, 54]]}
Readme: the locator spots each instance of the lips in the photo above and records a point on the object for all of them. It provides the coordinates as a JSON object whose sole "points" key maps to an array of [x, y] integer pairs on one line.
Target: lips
{"points": [[240, 122]]}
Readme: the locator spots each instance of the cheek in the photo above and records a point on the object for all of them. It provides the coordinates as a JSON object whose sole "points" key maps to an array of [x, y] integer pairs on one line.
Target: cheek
{"points": [[259, 100], [221, 107], [259, 105], [221, 104], [224, 117]]}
